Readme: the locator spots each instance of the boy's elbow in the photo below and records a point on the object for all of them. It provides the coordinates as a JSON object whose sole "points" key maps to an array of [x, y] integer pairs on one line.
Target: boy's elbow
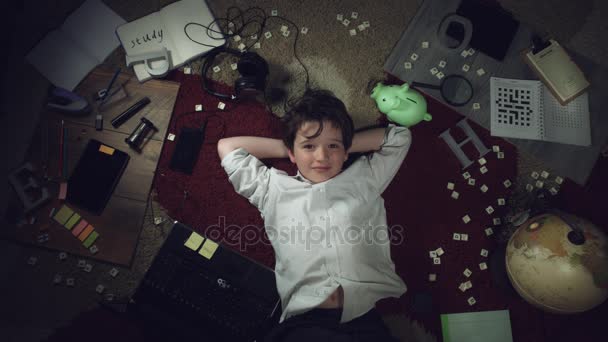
{"points": [[224, 147]]}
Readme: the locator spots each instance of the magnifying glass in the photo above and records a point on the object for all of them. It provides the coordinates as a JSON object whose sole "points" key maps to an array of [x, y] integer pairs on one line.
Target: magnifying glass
{"points": [[455, 89]]}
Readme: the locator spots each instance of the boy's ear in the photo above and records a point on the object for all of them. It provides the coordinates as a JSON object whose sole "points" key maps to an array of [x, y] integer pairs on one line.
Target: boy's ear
{"points": [[292, 157]]}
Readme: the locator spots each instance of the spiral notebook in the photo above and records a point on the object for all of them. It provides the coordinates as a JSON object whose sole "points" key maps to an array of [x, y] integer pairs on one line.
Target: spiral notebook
{"points": [[526, 109]]}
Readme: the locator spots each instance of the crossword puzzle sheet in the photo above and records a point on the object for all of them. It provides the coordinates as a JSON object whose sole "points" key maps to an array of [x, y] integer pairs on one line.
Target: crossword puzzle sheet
{"points": [[516, 109]]}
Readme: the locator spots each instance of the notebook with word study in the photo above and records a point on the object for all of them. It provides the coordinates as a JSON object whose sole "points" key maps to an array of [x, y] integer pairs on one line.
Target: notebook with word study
{"points": [[526, 109], [169, 38]]}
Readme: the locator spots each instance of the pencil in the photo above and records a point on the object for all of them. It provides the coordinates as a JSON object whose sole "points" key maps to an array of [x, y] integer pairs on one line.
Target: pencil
{"points": [[60, 165]]}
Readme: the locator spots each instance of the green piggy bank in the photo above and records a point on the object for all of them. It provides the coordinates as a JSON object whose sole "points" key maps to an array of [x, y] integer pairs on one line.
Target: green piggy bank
{"points": [[401, 104]]}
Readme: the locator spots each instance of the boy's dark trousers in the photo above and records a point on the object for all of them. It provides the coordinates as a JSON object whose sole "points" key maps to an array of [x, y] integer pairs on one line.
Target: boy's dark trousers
{"points": [[320, 325]]}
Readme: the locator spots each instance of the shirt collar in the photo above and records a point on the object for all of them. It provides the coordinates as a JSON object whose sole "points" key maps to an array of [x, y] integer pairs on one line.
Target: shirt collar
{"points": [[301, 178]]}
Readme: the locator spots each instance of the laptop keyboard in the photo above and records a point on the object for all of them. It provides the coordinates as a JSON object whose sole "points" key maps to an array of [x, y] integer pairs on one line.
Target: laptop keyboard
{"points": [[188, 287]]}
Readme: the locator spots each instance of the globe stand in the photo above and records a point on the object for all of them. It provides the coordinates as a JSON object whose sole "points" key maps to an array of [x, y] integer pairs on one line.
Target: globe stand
{"points": [[498, 269]]}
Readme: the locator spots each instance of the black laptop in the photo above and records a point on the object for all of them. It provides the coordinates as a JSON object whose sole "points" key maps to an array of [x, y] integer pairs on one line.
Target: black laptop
{"points": [[215, 295]]}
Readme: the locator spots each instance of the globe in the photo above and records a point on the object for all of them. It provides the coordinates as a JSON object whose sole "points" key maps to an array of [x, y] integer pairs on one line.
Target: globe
{"points": [[559, 263]]}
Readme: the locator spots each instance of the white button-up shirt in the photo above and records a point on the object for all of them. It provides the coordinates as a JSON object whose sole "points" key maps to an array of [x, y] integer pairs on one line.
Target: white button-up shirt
{"points": [[328, 234]]}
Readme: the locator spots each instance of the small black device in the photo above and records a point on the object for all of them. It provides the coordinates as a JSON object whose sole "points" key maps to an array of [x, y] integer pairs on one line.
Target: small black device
{"points": [[139, 134], [127, 114], [187, 149], [188, 294], [253, 70]]}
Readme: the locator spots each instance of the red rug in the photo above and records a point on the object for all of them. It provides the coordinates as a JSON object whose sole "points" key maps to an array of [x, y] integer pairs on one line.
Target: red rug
{"points": [[419, 207]]}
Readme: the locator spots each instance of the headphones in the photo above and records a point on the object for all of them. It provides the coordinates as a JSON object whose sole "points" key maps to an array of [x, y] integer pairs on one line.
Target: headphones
{"points": [[252, 68]]}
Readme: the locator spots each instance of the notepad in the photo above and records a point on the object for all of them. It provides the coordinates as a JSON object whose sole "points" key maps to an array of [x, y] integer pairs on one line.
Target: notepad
{"points": [[66, 55], [481, 326], [95, 176], [166, 29]]}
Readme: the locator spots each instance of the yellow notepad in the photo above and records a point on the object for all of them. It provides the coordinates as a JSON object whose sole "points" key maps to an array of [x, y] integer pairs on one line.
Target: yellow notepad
{"points": [[194, 241], [208, 249]]}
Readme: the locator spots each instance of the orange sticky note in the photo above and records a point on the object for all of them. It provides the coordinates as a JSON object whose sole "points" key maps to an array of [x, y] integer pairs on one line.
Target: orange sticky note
{"points": [[85, 233], [80, 227], [106, 149]]}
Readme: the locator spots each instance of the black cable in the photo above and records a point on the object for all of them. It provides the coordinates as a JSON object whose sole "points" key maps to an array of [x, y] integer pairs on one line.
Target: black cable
{"points": [[240, 21]]}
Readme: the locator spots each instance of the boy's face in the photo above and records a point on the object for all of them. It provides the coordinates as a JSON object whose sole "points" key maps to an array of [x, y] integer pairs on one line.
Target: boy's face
{"points": [[321, 158]]}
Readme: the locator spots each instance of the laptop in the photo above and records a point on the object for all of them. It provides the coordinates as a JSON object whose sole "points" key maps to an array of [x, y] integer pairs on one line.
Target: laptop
{"points": [[196, 288]]}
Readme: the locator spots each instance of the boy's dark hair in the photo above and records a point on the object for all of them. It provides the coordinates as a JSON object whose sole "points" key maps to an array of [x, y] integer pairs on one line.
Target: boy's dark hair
{"points": [[317, 106]]}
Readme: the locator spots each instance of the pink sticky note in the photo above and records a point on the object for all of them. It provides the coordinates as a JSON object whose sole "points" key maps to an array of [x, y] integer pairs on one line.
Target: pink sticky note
{"points": [[63, 190], [78, 229]]}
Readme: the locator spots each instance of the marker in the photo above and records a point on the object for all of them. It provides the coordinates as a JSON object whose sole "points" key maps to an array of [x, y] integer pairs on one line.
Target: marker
{"points": [[127, 114], [99, 118]]}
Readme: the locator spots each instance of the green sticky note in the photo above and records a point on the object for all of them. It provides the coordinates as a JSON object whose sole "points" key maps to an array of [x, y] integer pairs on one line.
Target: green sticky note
{"points": [[63, 215], [194, 241], [89, 240], [72, 221]]}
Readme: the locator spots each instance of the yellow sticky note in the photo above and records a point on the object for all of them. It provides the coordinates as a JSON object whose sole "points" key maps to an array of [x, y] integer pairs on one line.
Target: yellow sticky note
{"points": [[194, 241], [106, 149], [208, 249], [72, 221], [63, 215]]}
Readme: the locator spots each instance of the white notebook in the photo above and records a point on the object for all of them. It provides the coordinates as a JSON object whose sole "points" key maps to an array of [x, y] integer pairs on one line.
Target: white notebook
{"points": [[526, 109], [481, 326], [66, 55], [167, 29]]}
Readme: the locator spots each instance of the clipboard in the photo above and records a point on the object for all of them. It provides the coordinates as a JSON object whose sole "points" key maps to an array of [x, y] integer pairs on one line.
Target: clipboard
{"points": [[95, 176]]}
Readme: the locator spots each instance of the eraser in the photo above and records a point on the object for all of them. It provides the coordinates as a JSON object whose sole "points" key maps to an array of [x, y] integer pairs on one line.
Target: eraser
{"points": [[63, 190]]}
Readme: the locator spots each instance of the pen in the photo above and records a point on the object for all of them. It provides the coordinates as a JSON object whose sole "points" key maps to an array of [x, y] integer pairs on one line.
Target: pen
{"points": [[99, 117], [127, 114]]}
